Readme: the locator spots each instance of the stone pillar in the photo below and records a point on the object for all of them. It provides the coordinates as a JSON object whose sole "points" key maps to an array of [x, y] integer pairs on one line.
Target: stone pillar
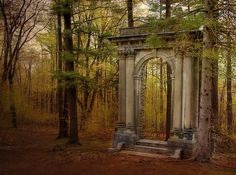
{"points": [[188, 111], [122, 91], [130, 119], [188, 93], [177, 107], [138, 104], [126, 132], [195, 97]]}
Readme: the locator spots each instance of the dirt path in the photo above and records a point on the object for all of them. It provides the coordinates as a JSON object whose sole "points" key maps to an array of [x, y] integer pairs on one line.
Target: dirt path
{"points": [[28, 151]]}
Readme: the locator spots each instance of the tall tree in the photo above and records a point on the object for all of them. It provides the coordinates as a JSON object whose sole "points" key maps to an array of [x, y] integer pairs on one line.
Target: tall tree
{"points": [[94, 24], [214, 98], [62, 112], [168, 9], [229, 86], [169, 81], [130, 13], [69, 68], [209, 46], [20, 20]]}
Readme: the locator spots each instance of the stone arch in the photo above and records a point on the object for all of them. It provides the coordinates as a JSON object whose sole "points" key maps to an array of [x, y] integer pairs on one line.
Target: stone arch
{"points": [[157, 53], [167, 58]]}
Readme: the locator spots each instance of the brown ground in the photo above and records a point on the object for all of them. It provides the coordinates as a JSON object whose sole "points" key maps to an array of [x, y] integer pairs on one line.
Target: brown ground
{"points": [[35, 151]]}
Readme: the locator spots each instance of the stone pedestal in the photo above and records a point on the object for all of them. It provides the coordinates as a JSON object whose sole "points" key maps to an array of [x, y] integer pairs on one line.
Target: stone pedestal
{"points": [[124, 136], [188, 146]]}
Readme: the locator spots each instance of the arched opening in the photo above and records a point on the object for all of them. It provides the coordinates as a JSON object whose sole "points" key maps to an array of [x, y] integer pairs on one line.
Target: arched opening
{"points": [[155, 99]]}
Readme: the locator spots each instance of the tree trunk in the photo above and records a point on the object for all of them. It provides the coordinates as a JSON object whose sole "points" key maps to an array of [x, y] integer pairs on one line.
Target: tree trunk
{"points": [[229, 89], [12, 104], [168, 8], [169, 83], [6, 46], [168, 102], [188, 6], [161, 88], [70, 81], [130, 13], [204, 151], [215, 95], [222, 104], [63, 117], [214, 100], [203, 147]]}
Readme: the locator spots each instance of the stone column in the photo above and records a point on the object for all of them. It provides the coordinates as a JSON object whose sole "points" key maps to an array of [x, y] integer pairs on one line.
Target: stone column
{"points": [[177, 107], [122, 91], [130, 120], [126, 132], [188, 92], [138, 104], [195, 97]]}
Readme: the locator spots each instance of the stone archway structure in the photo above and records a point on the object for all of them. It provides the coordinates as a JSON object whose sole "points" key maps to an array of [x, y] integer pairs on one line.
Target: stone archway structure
{"points": [[133, 54]]}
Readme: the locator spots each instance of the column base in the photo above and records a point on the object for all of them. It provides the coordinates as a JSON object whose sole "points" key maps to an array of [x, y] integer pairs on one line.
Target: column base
{"points": [[176, 134], [120, 126], [130, 128], [125, 136], [188, 147], [184, 139], [189, 134], [186, 134]]}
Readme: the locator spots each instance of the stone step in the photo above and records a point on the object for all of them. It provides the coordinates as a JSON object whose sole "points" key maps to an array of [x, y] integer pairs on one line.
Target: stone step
{"points": [[152, 143], [144, 154], [150, 149]]}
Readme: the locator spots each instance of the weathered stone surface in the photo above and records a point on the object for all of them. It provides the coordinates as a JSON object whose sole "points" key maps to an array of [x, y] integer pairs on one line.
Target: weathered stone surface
{"points": [[127, 139], [188, 146]]}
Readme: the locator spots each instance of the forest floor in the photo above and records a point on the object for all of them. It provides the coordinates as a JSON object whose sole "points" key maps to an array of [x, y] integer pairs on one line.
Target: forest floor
{"points": [[35, 151]]}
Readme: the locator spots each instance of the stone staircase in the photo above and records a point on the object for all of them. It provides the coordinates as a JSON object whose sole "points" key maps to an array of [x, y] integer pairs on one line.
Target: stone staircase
{"points": [[156, 147]]}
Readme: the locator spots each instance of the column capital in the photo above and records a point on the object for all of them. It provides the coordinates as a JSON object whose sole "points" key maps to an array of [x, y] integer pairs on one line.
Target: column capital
{"points": [[126, 52]]}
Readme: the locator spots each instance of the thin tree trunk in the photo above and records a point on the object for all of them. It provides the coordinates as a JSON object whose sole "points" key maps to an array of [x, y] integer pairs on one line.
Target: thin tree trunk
{"points": [[130, 13], [222, 104], [168, 102], [62, 114], [188, 6], [168, 9], [214, 98], [12, 104], [160, 10], [161, 88], [70, 81], [169, 83], [229, 89], [6, 54]]}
